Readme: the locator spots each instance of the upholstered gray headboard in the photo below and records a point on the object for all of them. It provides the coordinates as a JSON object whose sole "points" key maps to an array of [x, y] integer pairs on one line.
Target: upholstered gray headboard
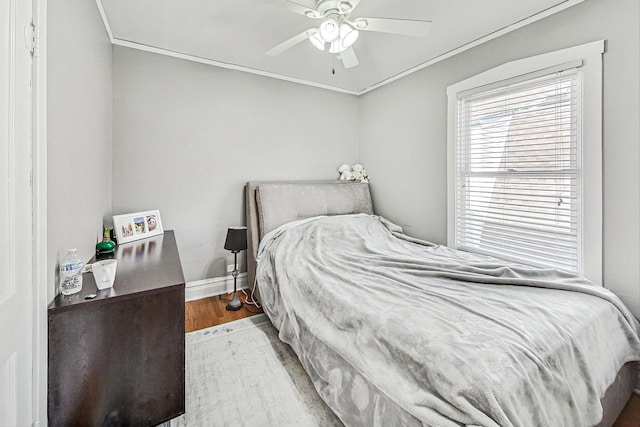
{"points": [[270, 204]]}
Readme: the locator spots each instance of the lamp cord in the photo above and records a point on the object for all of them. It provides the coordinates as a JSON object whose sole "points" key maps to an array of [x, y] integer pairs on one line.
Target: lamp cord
{"points": [[251, 300]]}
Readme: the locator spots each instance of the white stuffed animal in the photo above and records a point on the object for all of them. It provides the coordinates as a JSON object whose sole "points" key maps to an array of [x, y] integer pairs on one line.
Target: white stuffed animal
{"points": [[353, 173], [364, 178], [346, 176], [345, 172]]}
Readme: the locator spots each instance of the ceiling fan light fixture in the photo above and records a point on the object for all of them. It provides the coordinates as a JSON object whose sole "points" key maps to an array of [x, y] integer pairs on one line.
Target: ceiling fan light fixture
{"points": [[336, 47], [317, 41], [329, 30], [348, 35]]}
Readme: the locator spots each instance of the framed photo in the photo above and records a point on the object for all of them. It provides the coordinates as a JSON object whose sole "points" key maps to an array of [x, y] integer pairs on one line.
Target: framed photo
{"points": [[138, 225]]}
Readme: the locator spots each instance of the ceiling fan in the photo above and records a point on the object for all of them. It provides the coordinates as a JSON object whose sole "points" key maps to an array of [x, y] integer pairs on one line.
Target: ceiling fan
{"points": [[340, 32]]}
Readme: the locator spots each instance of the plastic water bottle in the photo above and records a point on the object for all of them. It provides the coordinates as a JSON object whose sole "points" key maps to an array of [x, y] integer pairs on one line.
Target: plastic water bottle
{"points": [[71, 273]]}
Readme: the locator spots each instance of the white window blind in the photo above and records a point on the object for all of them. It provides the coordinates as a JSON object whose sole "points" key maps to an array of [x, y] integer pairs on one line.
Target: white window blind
{"points": [[518, 170]]}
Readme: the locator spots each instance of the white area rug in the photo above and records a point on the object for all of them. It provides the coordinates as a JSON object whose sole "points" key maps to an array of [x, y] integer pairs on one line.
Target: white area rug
{"points": [[241, 374]]}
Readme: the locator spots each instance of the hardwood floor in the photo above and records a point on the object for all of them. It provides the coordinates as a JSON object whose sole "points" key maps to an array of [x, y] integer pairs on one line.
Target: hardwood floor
{"points": [[209, 312], [630, 416]]}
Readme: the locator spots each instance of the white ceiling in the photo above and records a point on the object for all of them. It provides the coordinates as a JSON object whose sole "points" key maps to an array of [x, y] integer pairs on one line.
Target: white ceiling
{"points": [[236, 33]]}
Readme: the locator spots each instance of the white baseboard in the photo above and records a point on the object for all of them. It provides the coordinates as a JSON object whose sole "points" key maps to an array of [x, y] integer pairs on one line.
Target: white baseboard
{"points": [[211, 287]]}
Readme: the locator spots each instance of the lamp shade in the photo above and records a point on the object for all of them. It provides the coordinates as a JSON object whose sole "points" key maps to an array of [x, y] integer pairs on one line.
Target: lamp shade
{"points": [[348, 35], [317, 41], [329, 30], [236, 239]]}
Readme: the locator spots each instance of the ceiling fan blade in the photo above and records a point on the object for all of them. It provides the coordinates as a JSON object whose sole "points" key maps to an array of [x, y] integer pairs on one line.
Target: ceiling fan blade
{"points": [[353, 3], [407, 27], [349, 58], [301, 9], [289, 43]]}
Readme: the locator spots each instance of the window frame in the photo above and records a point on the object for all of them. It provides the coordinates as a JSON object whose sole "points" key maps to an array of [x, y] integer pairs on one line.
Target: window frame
{"points": [[590, 54]]}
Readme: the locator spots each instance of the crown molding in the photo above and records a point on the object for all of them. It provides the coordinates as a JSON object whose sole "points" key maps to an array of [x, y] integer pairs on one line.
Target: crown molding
{"points": [[160, 51]]}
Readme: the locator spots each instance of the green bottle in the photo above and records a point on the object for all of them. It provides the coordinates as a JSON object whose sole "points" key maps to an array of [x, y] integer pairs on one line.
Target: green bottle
{"points": [[107, 246]]}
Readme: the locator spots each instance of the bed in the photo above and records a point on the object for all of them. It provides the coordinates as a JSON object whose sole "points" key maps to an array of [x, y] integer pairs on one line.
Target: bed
{"points": [[396, 331]]}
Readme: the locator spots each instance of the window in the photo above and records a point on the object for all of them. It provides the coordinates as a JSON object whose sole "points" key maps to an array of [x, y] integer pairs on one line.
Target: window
{"points": [[517, 187], [517, 171]]}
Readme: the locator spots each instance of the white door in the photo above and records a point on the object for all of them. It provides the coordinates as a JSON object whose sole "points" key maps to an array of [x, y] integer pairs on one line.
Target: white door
{"points": [[16, 325]]}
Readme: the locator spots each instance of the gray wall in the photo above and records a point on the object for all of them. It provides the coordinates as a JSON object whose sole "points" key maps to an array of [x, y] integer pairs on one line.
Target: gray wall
{"points": [[187, 136], [403, 130], [79, 130]]}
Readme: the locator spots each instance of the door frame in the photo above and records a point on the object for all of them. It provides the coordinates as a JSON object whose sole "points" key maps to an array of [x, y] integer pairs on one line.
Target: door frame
{"points": [[39, 217]]}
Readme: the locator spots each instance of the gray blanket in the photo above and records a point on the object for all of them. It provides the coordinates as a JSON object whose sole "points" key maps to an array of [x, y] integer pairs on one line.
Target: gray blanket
{"points": [[396, 331]]}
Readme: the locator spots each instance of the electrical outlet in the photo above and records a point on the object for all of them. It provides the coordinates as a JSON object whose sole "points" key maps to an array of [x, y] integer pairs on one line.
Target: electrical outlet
{"points": [[230, 268]]}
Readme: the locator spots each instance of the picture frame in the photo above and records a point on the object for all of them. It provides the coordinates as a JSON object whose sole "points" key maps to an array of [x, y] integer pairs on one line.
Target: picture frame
{"points": [[137, 225]]}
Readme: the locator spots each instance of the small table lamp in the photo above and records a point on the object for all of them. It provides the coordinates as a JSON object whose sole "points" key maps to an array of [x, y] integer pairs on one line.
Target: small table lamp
{"points": [[236, 241]]}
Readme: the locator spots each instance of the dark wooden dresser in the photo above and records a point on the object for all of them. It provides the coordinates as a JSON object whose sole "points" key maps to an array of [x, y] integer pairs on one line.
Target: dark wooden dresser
{"points": [[118, 359]]}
